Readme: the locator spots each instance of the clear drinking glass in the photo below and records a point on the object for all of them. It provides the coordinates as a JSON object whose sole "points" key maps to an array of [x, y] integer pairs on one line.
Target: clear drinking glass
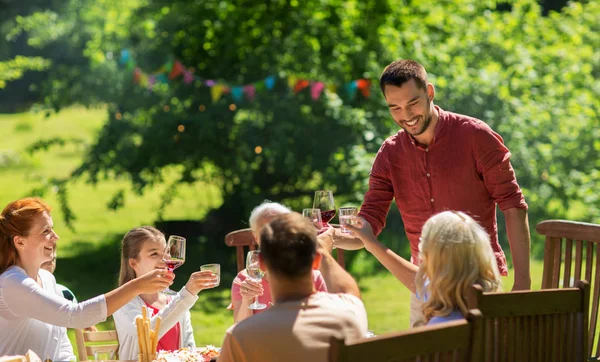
{"points": [[314, 215], [324, 202], [174, 256], [254, 271], [346, 217], [215, 268]]}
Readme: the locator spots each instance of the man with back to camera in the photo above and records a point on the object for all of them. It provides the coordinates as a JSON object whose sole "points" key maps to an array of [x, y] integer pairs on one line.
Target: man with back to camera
{"points": [[299, 326], [440, 161]]}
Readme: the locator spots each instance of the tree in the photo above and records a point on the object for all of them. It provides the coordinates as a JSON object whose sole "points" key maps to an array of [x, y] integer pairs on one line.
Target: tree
{"points": [[534, 78]]}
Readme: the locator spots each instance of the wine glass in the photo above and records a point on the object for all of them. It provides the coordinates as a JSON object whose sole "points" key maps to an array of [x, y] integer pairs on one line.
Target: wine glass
{"points": [[174, 256], [314, 216], [324, 202], [254, 271]]}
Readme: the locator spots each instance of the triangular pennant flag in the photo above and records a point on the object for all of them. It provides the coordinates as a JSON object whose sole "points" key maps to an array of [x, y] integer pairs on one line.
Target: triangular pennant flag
{"points": [[168, 67], [137, 73], [143, 80], [216, 91], [131, 64], [124, 57], [270, 82], [300, 85], [316, 89], [210, 83], [332, 88], [162, 78], [365, 87], [177, 70], [188, 77], [250, 91], [259, 86], [151, 81], [292, 81], [237, 93], [351, 89]]}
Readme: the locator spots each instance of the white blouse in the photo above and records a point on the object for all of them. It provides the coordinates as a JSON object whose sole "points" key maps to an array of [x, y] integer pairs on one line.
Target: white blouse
{"points": [[33, 316]]}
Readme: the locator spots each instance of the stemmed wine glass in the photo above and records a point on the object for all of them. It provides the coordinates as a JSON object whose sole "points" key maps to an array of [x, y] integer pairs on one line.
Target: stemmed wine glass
{"points": [[254, 271], [314, 216], [324, 202], [174, 256]]}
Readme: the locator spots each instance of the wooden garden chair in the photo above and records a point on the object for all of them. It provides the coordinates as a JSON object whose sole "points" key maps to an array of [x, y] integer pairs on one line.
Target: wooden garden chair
{"points": [[564, 266], [534, 326], [241, 239], [88, 343], [454, 341]]}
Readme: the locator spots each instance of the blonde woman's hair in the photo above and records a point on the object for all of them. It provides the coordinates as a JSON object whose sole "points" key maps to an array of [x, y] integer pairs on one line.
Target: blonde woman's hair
{"points": [[132, 245], [455, 253]]}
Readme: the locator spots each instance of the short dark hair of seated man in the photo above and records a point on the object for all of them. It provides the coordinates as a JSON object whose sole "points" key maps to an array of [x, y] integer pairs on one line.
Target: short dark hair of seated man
{"points": [[289, 246], [299, 326]]}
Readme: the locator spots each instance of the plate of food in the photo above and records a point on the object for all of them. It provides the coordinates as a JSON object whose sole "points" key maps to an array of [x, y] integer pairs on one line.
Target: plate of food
{"points": [[199, 354]]}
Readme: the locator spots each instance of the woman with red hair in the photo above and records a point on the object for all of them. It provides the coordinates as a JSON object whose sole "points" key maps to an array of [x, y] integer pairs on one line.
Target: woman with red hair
{"points": [[32, 314]]}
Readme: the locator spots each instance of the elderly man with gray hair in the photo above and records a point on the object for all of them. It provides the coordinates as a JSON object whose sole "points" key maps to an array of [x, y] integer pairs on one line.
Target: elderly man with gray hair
{"points": [[243, 288]]}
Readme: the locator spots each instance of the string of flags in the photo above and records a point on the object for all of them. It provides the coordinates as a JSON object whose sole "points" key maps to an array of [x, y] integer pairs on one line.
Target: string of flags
{"points": [[173, 70]]}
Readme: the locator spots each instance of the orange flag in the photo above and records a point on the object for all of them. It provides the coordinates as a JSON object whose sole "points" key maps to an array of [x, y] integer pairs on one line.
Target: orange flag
{"points": [[300, 85], [177, 70], [364, 85]]}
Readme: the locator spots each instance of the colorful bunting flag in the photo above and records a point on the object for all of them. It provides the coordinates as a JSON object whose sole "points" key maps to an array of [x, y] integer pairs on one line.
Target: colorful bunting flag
{"points": [[174, 69], [270, 82], [300, 85], [351, 89], [188, 77], [177, 70], [216, 91], [250, 91], [364, 85], [316, 89], [237, 93]]}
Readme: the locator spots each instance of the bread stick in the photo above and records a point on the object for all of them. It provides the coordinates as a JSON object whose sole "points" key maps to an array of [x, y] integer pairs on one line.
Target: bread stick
{"points": [[156, 334]]}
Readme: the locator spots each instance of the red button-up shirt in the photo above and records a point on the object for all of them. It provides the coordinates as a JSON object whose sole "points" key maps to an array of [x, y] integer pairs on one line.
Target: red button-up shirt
{"points": [[466, 168]]}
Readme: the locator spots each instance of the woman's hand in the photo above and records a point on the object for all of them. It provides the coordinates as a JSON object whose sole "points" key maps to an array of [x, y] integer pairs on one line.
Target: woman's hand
{"points": [[154, 281], [325, 241], [202, 280], [250, 289], [361, 229]]}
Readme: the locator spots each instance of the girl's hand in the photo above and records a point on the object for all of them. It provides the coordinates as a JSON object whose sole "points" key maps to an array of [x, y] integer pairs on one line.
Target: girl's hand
{"points": [[201, 280], [154, 281], [250, 289], [361, 229]]}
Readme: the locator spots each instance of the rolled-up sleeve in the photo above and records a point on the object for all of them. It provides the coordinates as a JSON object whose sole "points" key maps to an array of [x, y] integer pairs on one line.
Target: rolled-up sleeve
{"points": [[493, 164], [379, 197], [22, 297]]}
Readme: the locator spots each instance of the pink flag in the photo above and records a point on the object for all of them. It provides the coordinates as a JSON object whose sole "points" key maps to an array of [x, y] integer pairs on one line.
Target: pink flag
{"points": [[316, 89], [188, 77], [250, 91]]}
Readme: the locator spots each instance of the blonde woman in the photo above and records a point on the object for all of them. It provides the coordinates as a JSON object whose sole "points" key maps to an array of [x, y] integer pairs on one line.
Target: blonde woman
{"points": [[455, 253]]}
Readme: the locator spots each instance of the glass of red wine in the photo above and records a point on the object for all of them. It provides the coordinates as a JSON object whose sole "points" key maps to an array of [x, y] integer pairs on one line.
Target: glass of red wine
{"points": [[174, 256], [324, 202]]}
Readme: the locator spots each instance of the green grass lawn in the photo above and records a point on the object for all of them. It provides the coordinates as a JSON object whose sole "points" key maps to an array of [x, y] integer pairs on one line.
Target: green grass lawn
{"points": [[88, 257]]}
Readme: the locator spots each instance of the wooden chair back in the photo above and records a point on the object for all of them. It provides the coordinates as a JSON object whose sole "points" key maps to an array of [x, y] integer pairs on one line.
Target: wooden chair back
{"points": [[445, 342], [84, 350], [571, 254], [242, 239], [534, 326]]}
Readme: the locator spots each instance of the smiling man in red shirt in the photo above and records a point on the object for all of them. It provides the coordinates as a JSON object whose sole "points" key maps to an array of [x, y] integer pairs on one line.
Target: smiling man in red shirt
{"points": [[441, 161]]}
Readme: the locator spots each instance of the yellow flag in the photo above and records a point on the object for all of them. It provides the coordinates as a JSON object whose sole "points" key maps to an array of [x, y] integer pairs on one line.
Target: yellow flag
{"points": [[292, 80], [216, 92], [332, 88]]}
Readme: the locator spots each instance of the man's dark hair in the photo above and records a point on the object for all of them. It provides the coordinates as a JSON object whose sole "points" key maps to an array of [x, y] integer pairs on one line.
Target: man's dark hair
{"points": [[288, 245], [400, 72]]}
